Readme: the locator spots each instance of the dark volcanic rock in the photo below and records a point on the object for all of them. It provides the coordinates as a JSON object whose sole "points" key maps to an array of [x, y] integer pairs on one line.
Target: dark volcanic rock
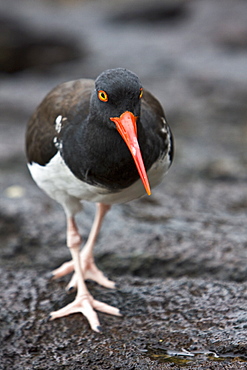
{"points": [[165, 322]]}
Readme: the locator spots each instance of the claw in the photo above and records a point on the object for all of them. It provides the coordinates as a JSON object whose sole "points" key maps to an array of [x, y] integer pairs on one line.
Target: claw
{"points": [[99, 329]]}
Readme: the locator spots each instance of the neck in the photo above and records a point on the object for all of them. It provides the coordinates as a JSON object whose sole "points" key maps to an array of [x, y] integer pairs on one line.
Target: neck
{"points": [[96, 154]]}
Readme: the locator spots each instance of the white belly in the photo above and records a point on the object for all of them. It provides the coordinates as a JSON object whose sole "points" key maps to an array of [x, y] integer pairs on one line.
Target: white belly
{"points": [[60, 184]]}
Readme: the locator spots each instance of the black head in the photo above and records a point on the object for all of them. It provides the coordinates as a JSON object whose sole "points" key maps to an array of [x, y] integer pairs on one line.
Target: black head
{"points": [[116, 104], [116, 91]]}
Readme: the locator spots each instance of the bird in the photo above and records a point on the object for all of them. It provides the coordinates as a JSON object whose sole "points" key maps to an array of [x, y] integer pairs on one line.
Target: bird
{"points": [[105, 141]]}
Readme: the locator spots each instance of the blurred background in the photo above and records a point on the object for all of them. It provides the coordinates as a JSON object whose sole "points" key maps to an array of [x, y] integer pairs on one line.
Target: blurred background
{"points": [[191, 54]]}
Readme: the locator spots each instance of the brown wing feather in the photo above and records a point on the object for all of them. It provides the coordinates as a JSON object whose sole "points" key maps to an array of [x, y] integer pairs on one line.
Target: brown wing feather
{"points": [[68, 99]]}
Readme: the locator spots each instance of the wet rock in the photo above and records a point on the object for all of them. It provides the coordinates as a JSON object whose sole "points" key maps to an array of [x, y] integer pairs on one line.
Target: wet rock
{"points": [[165, 322]]}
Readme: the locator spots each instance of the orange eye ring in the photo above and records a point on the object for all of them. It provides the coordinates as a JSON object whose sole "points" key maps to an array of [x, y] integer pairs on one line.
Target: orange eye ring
{"points": [[141, 93], [102, 95]]}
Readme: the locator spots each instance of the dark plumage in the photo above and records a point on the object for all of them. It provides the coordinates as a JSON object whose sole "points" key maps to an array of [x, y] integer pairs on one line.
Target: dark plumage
{"points": [[94, 141]]}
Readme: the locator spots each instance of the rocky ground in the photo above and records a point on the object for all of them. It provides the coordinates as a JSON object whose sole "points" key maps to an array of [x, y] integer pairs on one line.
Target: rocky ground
{"points": [[178, 257]]}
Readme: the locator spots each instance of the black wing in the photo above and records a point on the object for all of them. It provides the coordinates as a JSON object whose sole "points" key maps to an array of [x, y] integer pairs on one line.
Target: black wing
{"points": [[160, 140]]}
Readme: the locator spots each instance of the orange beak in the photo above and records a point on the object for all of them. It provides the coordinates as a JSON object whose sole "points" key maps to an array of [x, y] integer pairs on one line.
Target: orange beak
{"points": [[126, 126]]}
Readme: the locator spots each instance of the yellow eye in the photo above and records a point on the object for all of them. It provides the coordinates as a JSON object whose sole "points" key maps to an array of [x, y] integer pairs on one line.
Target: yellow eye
{"points": [[102, 95], [141, 93]]}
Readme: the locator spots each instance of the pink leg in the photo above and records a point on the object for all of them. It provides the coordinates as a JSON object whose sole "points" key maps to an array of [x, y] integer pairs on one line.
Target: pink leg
{"points": [[84, 302], [90, 270]]}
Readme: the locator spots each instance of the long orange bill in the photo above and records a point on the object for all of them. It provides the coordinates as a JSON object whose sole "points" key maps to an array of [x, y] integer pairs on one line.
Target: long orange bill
{"points": [[126, 126]]}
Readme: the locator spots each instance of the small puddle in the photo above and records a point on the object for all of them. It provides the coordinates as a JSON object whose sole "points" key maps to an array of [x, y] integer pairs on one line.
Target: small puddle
{"points": [[185, 358]]}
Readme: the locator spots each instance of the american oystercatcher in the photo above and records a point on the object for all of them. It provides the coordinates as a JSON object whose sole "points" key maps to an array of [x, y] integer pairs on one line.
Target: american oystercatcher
{"points": [[105, 141]]}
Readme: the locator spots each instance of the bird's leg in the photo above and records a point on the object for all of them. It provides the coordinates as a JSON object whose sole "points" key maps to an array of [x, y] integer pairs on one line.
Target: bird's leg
{"points": [[90, 270], [84, 302]]}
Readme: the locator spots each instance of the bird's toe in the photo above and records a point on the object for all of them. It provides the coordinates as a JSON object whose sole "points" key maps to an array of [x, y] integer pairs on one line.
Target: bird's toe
{"points": [[65, 269], [93, 273]]}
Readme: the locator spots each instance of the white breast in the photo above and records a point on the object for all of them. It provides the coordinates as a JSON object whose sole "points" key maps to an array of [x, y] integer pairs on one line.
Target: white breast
{"points": [[60, 184]]}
